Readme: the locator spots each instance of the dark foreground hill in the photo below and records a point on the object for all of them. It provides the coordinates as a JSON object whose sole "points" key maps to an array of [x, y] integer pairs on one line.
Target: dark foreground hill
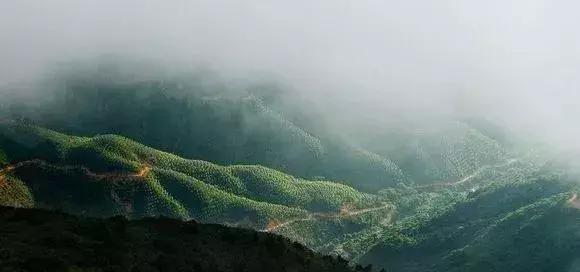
{"points": [[39, 240]]}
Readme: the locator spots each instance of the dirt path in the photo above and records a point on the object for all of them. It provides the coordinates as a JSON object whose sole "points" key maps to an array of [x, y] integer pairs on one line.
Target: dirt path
{"points": [[574, 201], [6, 121], [4, 171], [389, 220], [276, 225], [483, 168], [322, 216], [143, 172], [125, 204], [111, 176], [363, 211], [469, 177]]}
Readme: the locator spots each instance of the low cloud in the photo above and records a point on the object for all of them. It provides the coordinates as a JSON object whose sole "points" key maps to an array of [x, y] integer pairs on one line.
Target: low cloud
{"points": [[516, 62]]}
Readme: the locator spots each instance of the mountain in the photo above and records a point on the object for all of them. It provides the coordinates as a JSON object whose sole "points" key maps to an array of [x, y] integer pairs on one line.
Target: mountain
{"points": [[223, 127], [404, 195], [111, 175], [436, 226], [198, 120], [39, 240], [526, 225]]}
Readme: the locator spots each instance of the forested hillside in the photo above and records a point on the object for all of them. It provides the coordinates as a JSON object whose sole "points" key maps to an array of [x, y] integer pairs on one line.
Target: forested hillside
{"points": [[451, 195], [198, 120], [111, 175], [509, 223], [439, 225]]}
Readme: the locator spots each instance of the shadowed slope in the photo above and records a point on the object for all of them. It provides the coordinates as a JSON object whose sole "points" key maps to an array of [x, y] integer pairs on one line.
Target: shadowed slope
{"points": [[37, 240]]}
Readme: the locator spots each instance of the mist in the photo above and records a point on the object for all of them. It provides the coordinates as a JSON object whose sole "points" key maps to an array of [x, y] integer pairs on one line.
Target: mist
{"points": [[514, 62]]}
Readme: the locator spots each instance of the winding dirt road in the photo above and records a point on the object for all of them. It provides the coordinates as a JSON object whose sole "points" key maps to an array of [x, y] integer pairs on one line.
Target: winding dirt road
{"points": [[469, 177], [324, 216], [111, 176], [273, 226]]}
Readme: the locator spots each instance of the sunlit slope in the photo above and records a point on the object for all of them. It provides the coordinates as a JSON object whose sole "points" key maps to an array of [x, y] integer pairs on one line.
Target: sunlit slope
{"points": [[110, 174], [518, 225], [13, 192]]}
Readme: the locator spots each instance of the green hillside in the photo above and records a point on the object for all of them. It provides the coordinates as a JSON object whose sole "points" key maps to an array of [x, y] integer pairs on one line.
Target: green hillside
{"points": [[227, 126], [223, 126], [420, 195], [106, 175], [428, 153], [502, 204], [525, 225]]}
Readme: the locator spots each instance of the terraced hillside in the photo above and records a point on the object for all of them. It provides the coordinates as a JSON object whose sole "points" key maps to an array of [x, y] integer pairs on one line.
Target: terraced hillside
{"points": [[107, 175], [224, 126]]}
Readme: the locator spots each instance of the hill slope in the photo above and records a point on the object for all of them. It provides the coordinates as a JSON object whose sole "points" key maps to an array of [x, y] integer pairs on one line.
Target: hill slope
{"points": [[224, 126], [436, 226], [37, 240], [409, 196], [525, 225], [109, 175]]}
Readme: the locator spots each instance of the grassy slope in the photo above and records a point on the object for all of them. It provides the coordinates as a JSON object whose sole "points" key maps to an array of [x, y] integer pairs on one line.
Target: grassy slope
{"points": [[37, 240], [239, 194]]}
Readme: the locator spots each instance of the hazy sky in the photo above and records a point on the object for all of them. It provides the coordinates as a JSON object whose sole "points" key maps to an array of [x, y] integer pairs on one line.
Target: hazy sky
{"points": [[518, 59]]}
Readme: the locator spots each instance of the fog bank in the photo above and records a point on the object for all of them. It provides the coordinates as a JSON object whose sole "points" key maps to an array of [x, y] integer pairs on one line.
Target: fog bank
{"points": [[510, 61]]}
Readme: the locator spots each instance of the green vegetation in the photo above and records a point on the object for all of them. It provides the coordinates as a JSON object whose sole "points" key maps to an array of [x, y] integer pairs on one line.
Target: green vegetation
{"points": [[14, 193], [110, 174], [187, 118], [448, 152], [542, 236], [522, 225], [442, 225], [3, 157], [37, 240], [409, 196]]}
